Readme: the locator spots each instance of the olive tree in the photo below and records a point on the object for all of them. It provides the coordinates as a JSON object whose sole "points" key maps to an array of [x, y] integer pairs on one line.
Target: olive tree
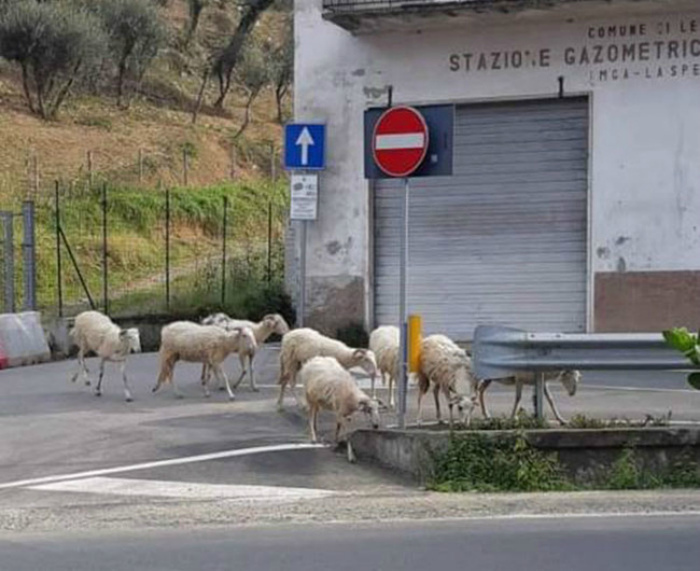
{"points": [[282, 70], [136, 34], [53, 44], [253, 75]]}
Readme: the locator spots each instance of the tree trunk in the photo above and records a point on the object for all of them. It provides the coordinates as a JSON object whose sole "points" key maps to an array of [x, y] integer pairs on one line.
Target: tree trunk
{"points": [[121, 75], [280, 92], [196, 7], [200, 95], [248, 114], [226, 61], [25, 86], [63, 92]]}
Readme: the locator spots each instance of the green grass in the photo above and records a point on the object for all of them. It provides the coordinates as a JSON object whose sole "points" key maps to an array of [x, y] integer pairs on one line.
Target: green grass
{"points": [[508, 463], [136, 241]]}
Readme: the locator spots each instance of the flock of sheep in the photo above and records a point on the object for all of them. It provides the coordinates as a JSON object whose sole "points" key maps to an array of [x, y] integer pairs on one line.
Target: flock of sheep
{"points": [[318, 363]]}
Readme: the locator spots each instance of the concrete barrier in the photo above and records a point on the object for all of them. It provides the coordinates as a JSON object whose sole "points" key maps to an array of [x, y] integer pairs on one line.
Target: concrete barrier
{"points": [[22, 340], [582, 453]]}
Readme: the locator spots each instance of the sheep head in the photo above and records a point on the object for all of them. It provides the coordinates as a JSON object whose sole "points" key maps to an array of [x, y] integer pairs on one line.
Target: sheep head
{"points": [[275, 323], [218, 319], [570, 380], [371, 409], [245, 338], [365, 359], [131, 339]]}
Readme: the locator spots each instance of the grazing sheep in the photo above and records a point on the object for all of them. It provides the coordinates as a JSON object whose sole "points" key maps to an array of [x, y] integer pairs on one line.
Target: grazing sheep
{"points": [[449, 369], [272, 323], [569, 379], [328, 386], [208, 344], [384, 342], [300, 345], [93, 331]]}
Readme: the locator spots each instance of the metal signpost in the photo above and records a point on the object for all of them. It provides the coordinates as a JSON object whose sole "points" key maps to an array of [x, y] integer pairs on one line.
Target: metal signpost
{"points": [[403, 142], [304, 150], [399, 147]]}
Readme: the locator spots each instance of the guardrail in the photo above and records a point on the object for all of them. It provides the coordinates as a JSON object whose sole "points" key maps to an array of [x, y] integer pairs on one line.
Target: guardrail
{"points": [[498, 352], [379, 4]]}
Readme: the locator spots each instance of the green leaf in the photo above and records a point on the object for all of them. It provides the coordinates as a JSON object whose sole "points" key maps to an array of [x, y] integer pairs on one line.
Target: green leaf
{"points": [[694, 380], [680, 338]]}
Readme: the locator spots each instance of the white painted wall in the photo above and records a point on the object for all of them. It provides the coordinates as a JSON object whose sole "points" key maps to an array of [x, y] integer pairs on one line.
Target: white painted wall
{"points": [[645, 131]]}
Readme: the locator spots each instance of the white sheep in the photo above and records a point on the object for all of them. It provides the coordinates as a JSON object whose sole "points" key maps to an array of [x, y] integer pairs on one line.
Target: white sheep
{"points": [[569, 379], [208, 344], [93, 331], [300, 345], [384, 342], [448, 368], [271, 323], [328, 386]]}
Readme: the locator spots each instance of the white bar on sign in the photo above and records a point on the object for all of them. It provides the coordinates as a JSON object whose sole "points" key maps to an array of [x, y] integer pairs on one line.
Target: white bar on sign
{"points": [[400, 141]]}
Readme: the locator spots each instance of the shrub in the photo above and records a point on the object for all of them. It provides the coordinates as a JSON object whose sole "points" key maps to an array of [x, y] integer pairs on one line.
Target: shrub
{"points": [[136, 34], [482, 463], [53, 43]]}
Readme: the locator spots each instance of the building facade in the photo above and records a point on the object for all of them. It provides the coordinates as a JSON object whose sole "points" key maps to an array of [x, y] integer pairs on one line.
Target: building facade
{"points": [[574, 203]]}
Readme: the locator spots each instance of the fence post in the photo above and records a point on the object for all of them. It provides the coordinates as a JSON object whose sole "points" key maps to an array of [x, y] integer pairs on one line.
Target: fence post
{"points": [[233, 162], [140, 166], [105, 282], [167, 249], [273, 165], [269, 242], [223, 254], [59, 267], [29, 253], [7, 222], [91, 178], [185, 168]]}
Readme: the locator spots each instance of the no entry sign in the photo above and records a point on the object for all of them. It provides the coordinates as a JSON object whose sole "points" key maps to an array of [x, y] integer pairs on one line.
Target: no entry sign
{"points": [[400, 141]]}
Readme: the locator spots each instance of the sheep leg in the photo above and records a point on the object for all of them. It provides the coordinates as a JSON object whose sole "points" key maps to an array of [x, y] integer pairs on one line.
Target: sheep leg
{"points": [[98, 388], [280, 399], [518, 396], [481, 389], [374, 388], [450, 404], [313, 414], [205, 379], [421, 394], [219, 372], [241, 358], [127, 392], [436, 395], [550, 400], [392, 400], [253, 386]]}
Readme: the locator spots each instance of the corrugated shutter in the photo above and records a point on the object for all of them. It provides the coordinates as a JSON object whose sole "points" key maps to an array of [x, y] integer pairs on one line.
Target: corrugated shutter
{"points": [[504, 239]]}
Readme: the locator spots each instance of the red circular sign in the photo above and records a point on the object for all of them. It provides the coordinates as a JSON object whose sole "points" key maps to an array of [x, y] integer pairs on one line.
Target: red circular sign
{"points": [[400, 141]]}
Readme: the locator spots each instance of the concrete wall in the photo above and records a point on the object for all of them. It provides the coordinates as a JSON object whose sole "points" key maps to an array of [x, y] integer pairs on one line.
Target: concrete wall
{"points": [[641, 72]]}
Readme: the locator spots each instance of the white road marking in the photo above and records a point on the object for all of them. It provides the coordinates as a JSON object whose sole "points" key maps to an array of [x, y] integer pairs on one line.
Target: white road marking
{"points": [[640, 389], [400, 141], [185, 490], [160, 464]]}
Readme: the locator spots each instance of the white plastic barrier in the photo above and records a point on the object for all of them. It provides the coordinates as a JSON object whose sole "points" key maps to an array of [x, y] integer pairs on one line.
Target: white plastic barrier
{"points": [[22, 340]]}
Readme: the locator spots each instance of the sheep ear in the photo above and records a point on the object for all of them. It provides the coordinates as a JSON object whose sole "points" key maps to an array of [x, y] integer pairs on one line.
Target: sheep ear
{"points": [[123, 333], [359, 353]]}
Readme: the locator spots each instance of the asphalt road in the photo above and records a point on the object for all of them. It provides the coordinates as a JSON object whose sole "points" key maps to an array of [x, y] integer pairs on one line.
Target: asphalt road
{"points": [[543, 544], [71, 460]]}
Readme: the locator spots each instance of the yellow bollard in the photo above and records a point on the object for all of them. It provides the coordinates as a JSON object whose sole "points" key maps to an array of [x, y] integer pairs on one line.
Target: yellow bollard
{"points": [[414, 338]]}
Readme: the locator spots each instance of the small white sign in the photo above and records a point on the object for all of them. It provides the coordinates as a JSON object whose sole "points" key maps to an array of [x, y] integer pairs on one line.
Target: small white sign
{"points": [[304, 203]]}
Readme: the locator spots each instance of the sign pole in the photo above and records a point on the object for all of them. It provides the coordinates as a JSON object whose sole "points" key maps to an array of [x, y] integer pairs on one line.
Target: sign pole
{"points": [[403, 318], [302, 276]]}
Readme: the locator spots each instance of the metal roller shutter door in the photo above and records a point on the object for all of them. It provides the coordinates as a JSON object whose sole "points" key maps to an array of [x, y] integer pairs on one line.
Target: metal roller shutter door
{"points": [[504, 239]]}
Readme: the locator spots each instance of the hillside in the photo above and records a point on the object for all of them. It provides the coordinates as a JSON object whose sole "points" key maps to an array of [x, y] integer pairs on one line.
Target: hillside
{"points": [[158, 123], [139, 151]]}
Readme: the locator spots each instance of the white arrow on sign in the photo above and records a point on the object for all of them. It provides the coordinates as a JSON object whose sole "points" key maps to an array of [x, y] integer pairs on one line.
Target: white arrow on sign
{"points": [[305, 140]]}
